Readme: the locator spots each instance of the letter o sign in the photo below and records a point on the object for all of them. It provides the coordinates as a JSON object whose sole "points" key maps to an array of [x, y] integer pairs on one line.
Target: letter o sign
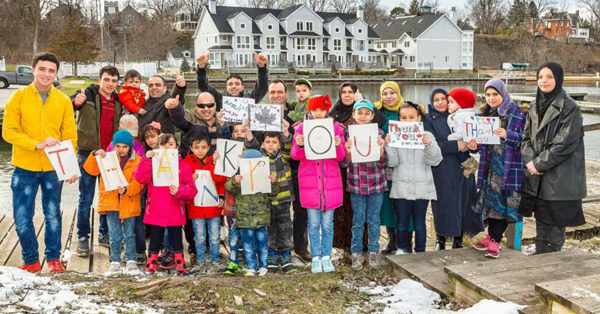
{"points": [[319, 140]]}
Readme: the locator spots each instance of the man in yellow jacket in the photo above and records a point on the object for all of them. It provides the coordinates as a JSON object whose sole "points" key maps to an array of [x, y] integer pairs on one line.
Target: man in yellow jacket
{"points": [[35, 117]]}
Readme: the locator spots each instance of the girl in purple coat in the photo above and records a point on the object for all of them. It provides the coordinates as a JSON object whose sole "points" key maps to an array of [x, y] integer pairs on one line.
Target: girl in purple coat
{"points": [[165, 207], [320, 185]]}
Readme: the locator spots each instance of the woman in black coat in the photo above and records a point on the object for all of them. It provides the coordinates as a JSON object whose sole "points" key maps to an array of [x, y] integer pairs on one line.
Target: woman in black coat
{"points": [[554, 157], [455, 194]]}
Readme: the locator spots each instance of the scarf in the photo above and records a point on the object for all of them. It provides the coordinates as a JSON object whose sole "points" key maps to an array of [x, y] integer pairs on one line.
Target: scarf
{"points": [[544, 100], [396, 88], [500, 87], [340, 112]]}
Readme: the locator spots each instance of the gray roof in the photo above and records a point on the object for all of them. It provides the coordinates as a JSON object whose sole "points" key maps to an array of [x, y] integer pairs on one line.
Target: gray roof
{"points": [[220, 48], [305, 33], [348, 48], [286, 12], [465, 26], [257, 47], [398, 51], [255, 29], [326, 33], [414, 26], [178, 52], [351, 21], [325, 49], [348, 34]]}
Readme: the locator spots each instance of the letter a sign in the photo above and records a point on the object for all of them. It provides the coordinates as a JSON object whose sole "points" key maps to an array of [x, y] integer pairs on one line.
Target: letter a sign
{"points": [[229, 157], [165, 167], [63, 160], [364, 142]]}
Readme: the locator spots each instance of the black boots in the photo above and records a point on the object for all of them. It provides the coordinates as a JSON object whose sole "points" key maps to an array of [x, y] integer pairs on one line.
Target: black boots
{"points": [[440, 243], [391, 246], [457, 243]]}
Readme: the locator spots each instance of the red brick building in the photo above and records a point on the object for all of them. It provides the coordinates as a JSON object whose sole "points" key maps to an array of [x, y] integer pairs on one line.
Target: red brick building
{"points": [[560, 25]]}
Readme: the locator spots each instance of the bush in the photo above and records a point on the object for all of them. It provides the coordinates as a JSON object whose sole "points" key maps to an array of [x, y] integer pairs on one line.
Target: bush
{"points": [[302, 73], [392, 72]]}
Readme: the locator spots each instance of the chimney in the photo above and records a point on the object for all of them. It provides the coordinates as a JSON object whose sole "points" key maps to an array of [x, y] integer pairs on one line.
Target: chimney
{"points": [[359, 12], [212, 6], [453, 15]]}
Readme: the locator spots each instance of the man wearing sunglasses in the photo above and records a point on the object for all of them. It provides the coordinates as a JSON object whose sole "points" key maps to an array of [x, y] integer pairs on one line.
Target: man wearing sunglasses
{"points": [[235, 83], [155, 105]]}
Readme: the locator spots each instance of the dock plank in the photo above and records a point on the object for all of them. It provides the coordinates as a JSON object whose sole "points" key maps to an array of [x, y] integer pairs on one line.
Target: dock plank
{"points": [[100, 256], [579, 295], [68, 216], [14, 257], [5, 225]]}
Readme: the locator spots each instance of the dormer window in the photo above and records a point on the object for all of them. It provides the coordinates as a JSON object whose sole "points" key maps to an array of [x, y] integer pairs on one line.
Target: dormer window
{"points": [[360, 30], [270, 26], [243, 26], [186, 54], [337, 29]]}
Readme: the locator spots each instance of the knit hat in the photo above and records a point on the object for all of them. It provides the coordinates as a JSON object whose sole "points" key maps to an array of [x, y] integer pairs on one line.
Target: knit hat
{"points": [[251, 153], [130, 123], [319, 102], [303, 81], [363, 103], [123, 137], [463, 97]]}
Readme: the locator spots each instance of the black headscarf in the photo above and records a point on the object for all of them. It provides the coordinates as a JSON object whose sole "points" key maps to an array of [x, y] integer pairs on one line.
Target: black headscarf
{"points": [[340, 112], [544, 100]]}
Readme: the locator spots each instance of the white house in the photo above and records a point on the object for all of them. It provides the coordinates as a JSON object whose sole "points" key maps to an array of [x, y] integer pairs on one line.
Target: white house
{"points": [[425, 42], [296, 36], [175, 57]]}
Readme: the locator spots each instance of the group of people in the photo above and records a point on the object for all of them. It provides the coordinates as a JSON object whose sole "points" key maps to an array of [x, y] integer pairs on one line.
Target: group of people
{"points": [[537, 168]]}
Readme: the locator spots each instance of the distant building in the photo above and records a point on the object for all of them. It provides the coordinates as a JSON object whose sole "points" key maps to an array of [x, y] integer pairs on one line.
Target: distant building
{"points": [[175, 57], [184, 21], [561, 26]]}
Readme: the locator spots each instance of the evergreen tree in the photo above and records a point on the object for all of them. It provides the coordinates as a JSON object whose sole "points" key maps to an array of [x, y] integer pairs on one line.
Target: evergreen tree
{"points": [[518, 13], [414, 8], [532, 10], [185, 66]]}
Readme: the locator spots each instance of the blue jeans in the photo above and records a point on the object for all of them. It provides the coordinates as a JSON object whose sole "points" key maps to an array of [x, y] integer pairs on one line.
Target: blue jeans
{"points": [[87, 187], [24, 186], [119, 231], [369, 206], [214, 235], [234, 235], [255, 243], [320, 231], [416, 209]]}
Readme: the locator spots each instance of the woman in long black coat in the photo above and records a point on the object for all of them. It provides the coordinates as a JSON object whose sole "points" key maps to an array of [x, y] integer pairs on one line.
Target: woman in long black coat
{"points": [[452, 212]]}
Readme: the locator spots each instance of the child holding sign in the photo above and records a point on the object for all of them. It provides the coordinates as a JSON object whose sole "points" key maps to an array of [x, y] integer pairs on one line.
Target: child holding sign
{"points": [[367, 183], [205, 219], [317, 178], [412, 181], [120, 206], [460, 107], [165, 206]]}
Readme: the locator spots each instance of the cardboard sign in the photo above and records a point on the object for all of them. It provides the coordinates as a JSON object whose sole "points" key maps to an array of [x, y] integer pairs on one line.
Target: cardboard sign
{"points": [[255, 175], [235, 109], [319, 139], [406, 134], [110, 171], [207, 191], [165, 167], [482, 129], [63, 159], [266, 117], [364, 146], [228, 162]]}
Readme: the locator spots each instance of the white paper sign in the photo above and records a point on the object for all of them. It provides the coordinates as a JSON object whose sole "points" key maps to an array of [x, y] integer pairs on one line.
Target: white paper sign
{"points": [[406, 134], [482, 129], [364, 146], [255, 175], [266, 117], [235, 109], [207, 191], [165, 167], [63, 159], [319, 139], [110, 171], [229, 157]]}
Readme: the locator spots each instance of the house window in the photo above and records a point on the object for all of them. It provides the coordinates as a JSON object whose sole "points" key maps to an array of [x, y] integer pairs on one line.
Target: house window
{"points": [[447, 58], [216, 39], [407, 44], [394, 45], [337, 29], [337, 44], [186, 54], [224, 38], [270, 26], [299, 26], [312, 44], [270, 43], [300, 43], [111, 10], [243, 26], [243, 42], [378, 45], [129, 18], [360, 30], [412, 59], [360, 45], [309, 26]]}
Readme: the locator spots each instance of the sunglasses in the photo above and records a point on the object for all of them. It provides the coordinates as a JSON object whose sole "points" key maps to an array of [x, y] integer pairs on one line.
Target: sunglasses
{"points": [[202, 106]]}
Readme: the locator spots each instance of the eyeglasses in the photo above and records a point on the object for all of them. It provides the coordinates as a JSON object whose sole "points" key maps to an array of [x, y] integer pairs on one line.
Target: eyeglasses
{"points": [[202, 106]]}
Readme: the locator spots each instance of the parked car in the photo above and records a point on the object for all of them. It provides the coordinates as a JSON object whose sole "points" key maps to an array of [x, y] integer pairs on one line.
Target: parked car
{"points": [[22, 76]]}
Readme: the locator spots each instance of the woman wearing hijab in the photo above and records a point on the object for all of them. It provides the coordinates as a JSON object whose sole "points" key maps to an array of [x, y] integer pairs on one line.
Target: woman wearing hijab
{"points": [[452, 214], [554, 157], [500, 168]]}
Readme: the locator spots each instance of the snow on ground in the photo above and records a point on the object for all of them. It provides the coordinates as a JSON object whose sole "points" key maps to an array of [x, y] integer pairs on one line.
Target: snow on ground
{"points": [[409, 296], [21, 291]]}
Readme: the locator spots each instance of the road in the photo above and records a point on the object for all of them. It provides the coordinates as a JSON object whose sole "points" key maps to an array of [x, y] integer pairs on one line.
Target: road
{"points": [[5, 94]]}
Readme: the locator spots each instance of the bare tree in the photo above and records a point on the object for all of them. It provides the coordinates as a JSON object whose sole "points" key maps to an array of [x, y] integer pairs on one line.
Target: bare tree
{"points": [[373, 11], [544, 5], [161, 8], [593, 7], [488, 15], [36, 9], [273, 4], [343, 6]]}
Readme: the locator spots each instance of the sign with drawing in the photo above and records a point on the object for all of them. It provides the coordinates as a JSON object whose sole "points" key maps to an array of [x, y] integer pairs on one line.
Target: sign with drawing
{"points": [[265, 117], [319, 139], [235, 109], [255, 175], [110, 171], [63, 159], [364, 146], [229, 157], [207, 191], [165, 167], [406, 134], [482, 129]]}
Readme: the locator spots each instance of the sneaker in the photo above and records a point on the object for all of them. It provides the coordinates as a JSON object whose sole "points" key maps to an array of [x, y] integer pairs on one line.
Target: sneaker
{"points": [[357, 261], [232, 268], [286, 264], [493, 249], [373, 260], [199, 269], [32, 268], [104, 241], [401, 252], [83, 247], [140, 258], [327, 264], [214, 268], [273, 263], [55, 266], [483, 244], [262, 271], [166, 260], [250, 273], [132, 269], [317, 266], [193, 259], [113, 270]]}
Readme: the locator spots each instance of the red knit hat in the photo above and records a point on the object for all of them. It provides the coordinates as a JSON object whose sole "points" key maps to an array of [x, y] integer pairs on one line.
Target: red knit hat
{"points": [[463, 97], [319, 102]]}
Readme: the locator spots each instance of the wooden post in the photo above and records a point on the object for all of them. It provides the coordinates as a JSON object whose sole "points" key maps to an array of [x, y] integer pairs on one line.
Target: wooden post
{"points": [[514, 235]]}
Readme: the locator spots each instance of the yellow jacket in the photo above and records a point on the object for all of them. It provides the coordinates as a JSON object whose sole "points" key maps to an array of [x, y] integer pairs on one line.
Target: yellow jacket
{"points": [[27, 122]]}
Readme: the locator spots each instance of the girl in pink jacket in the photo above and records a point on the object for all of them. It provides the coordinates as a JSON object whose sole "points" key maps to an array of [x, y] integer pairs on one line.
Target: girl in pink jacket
{"points": [[320, 185], [165, 206]]}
